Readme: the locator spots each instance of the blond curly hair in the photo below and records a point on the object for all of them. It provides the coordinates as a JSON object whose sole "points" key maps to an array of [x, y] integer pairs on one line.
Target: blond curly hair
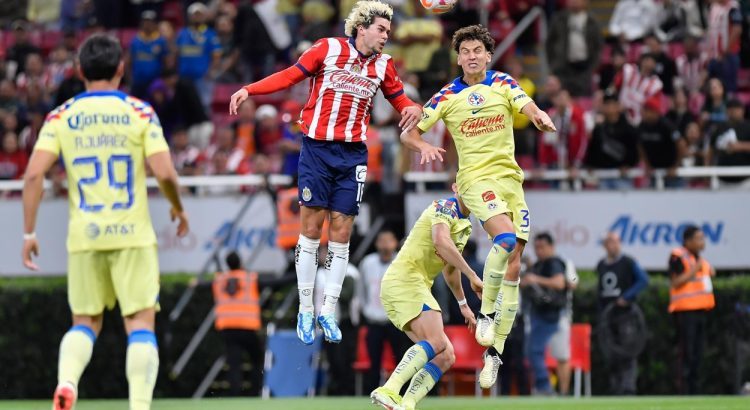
{"points": [[363, 14]]}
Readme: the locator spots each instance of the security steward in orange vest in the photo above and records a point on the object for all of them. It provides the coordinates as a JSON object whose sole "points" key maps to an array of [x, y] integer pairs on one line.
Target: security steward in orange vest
{"points": [[238, 321], [690, 298]]}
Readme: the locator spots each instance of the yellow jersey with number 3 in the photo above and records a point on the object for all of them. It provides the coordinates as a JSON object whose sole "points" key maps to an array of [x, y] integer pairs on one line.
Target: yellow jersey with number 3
{"points": [[480, 119], [104, 138], [418, 255]]}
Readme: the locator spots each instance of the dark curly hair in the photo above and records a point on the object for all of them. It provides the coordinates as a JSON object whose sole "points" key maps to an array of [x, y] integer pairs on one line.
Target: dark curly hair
{"points": [[475, 32]]}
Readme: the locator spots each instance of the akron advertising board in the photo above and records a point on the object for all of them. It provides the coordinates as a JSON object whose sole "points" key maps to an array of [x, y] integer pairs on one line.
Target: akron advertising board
{"points": [[650, 223]]}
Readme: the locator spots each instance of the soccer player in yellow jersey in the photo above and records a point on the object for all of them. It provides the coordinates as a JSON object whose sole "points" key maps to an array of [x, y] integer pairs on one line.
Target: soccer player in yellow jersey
{"points": [[478, 109], [433, 245], [105, 137]]}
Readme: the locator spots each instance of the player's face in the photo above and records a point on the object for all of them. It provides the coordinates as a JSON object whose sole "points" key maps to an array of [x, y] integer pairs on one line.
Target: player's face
{"points": [[375, 36], [473, 57]]}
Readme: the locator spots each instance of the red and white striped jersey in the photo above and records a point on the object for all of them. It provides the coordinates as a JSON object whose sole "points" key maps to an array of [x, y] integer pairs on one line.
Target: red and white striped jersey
{"points": [[721, 18], [342, 87], [690, 70], [635, 89]]}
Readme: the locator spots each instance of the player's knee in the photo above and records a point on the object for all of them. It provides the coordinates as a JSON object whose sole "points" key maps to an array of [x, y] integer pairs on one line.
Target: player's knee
{"points": [[92, 322], [449, 357], [506, 241], [437, 344], [312, 230]]}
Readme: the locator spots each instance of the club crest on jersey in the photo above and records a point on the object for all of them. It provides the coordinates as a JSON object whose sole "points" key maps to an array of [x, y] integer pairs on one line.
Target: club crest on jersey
{"points": [[491, 206], [476, 100], [306, 194], [488, 196], [356, 69]]}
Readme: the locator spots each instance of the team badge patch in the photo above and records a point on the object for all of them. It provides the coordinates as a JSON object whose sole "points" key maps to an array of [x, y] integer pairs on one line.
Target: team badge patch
{"points": [[476, 100], [306, 194], [491, 206], [356, 69], [488, 196]]}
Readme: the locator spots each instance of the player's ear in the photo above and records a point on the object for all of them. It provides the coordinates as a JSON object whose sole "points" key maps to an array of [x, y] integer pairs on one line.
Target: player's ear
{"points": [[120, 69]]}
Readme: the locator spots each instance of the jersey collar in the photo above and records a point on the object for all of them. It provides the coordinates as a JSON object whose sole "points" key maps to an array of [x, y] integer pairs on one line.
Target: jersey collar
{"points": [[459, 83], [103, 93], [354, 45]]}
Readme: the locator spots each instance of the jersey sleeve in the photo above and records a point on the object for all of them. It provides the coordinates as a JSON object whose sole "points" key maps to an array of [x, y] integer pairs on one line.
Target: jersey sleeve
{"points": [[392, 86], [311, 61], [432, 110], [154, 141], [510, 89], [445, 213], [49, 138]]}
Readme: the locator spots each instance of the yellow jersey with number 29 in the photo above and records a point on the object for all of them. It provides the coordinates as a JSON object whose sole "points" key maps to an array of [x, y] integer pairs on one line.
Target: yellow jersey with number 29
{"points": [[480, 119], [104, 138]]}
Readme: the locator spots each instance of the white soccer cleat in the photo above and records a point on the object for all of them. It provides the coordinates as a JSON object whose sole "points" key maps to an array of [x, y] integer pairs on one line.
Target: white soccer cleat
{"points": [[488, 375], [385, 398], [485, 332], [65, 396]]}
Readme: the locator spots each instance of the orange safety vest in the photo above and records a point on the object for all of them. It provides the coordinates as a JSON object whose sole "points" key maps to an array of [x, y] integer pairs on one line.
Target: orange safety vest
{"points": [[696, 294], [288, 219], [236, 298]]}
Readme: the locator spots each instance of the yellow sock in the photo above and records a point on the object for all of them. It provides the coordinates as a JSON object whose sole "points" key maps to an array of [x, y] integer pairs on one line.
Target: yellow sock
{"points": [[414, 359], [494, 270], [75, 353], [142, 367], [421, 384], [506, 307]]}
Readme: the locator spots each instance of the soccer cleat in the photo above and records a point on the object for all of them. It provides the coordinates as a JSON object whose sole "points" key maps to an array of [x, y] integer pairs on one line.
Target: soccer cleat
{"points": [[488, 375], [485, 332], [306, 327], [386, 398], [330, 328], [65, 396]]}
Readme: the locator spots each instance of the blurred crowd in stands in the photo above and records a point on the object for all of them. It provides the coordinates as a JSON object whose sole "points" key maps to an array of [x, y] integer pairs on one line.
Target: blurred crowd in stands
{"points": [[664, 84]]}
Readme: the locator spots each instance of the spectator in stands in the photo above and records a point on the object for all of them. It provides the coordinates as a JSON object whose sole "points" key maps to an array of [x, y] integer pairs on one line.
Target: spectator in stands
{"points": [[731, 145], [559, 344], [257, 51], [229, 70], [291, 137], [690, 299], [74, 14], [633, 19], [613, 145], [524, 132], [186, 157], [34, 73], [341, 355], [678, 19], [379, 328], [657, 140], [69, 88], [28, 135], [679, 114], [238, 319], [149, 55], [316, 17], [176, 102], [691, 66], [9, 101], [545, 288], [224, 157], [636, 84], [549, 91], [13, 160], [566, 148], [665, 67], [419, 38], [60, 66], [692, 146], [19, 52], [573, 44], [724, 36], [244, 129], [10, 122], [621, 280], [610, 71], [267, 129], [199, 53], [714, 111]]}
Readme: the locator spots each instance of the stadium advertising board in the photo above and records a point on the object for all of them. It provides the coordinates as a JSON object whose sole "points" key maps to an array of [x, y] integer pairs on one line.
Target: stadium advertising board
{"points": [[210, 219], [650, 223]]}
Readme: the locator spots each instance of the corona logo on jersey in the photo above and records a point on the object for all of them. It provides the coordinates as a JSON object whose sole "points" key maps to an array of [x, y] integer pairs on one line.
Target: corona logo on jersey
{"points": [[476, 127], [438, 6], [354, 84], [82, 120]]}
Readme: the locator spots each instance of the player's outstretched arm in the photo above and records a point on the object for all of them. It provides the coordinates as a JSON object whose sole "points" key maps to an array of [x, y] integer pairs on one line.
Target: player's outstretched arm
{"points": [[33, 188], [441, 237], [412, 139], [453, 279], [269, 85], [164, 172], [541, 119]]}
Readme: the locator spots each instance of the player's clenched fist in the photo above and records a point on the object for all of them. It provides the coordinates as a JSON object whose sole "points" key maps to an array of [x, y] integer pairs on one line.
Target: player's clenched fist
{"points": [[237, 99], [183, 226]]}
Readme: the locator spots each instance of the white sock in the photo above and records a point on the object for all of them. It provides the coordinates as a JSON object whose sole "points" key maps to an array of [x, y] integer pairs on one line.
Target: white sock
{"points": [[336, 264], [306, 262]]}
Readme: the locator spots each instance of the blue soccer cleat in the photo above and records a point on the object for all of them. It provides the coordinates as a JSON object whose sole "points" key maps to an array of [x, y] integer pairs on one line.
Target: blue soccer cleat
{"points": [[306, 327], [330, 328]]}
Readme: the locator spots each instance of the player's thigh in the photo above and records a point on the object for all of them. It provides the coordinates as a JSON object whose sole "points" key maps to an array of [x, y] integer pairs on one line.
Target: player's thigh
{"points": [[404, 300], [135, 275], [514, 196], [351, 175], [90, 289], [486, 201], [428, 325], [314, 177]]}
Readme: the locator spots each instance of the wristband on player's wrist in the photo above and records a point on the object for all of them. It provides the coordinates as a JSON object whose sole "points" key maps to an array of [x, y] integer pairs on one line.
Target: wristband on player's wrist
{"points": [[29, 236], [462, 302]]}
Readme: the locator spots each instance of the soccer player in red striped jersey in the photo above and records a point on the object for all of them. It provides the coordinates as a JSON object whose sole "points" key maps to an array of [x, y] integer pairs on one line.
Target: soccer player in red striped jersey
{"points": [[345, 75]]}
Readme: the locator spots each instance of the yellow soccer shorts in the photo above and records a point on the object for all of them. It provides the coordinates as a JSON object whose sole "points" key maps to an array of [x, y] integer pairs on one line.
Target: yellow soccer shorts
{"points": [[405, 298], [98, 279], [491, 197]]}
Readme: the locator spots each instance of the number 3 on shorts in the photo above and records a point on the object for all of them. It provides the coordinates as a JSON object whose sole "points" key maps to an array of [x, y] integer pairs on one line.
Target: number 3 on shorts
{"points": [[525, 218], [360, 175]]}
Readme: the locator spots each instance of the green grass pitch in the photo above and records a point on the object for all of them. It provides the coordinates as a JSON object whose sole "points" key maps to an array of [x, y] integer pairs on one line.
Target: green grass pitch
{"points": [[630, 403]]}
